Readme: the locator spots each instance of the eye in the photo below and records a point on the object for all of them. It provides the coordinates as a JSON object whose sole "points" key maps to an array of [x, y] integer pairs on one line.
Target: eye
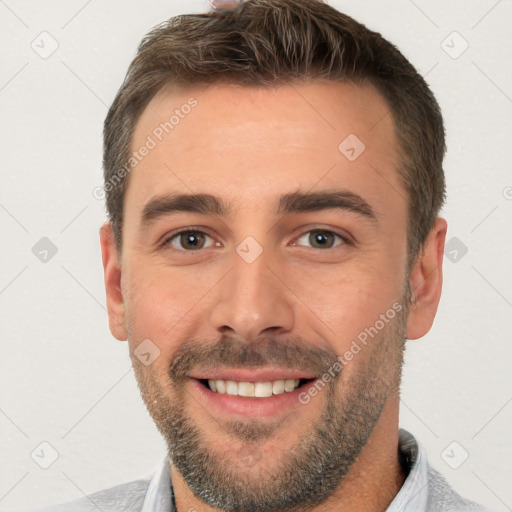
{"points": [[321, 239], [189, 240]]}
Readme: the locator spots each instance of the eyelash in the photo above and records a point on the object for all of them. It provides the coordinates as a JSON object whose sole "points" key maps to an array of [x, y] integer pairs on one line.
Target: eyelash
{"points": [[167, 241]]}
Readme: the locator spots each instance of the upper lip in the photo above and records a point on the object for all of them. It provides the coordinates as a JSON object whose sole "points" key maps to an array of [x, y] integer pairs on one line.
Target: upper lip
{"points": [[251, 375]]}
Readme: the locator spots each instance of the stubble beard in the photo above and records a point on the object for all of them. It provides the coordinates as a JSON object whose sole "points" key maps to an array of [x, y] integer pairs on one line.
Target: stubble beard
{"points": [[312, 468]]}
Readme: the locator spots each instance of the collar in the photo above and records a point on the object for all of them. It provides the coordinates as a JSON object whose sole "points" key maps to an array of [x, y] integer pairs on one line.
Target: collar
{"points": [[412, 497]]}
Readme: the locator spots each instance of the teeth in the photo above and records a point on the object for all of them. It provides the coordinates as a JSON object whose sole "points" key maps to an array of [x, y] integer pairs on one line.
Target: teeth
{"points": [[246, 389], [253, 389], [263, 389], [289, 385], [221, 386], [231, 387], [278, 387]]}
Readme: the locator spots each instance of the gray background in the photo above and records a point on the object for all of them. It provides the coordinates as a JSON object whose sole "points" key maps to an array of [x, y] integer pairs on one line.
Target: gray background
{"points": [[65, 381]]}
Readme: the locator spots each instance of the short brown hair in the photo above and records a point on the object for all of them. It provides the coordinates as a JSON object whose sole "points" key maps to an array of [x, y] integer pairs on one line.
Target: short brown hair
{"points": [[280, 41]]}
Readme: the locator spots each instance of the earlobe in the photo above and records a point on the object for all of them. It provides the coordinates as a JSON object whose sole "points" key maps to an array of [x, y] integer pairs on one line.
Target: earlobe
{"points": [[426, 282], [112, 274]]}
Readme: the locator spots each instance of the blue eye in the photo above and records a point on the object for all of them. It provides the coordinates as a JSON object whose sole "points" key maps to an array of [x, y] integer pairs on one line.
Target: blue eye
{"points": [[189, 240], [321, 239]]}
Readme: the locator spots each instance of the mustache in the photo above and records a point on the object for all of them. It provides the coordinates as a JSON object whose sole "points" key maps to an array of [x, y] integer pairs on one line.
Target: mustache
{"points": [[293, 354]]}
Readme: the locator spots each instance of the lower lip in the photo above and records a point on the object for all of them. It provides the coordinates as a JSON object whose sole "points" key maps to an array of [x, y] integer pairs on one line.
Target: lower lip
{"points": [[248, 406]]}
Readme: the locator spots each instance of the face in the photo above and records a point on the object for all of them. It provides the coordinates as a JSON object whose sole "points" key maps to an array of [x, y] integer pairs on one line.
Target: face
{"points": [[264, 272]]}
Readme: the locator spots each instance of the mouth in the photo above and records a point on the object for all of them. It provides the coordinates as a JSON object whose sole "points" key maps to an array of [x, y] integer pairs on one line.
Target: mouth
{"points": [[249, 392], [259, 389]]}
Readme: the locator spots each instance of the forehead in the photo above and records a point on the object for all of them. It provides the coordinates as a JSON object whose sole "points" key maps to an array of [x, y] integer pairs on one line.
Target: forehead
{"points": [[251, 144]]}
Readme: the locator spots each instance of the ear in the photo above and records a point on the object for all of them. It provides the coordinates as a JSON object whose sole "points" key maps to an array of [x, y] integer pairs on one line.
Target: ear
{"points": [[426, 282], [112, 271]]}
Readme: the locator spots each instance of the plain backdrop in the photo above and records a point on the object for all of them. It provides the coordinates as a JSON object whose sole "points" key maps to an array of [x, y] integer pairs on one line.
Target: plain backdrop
{"points": [[65, 381]]}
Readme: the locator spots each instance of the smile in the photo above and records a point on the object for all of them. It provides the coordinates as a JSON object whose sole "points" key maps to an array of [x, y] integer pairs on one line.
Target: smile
{"points": [[254, 389]]}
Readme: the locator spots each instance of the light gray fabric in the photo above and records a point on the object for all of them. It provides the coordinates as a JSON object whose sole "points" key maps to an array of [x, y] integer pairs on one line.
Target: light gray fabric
{"points": [[424, 490], [122, 498]]}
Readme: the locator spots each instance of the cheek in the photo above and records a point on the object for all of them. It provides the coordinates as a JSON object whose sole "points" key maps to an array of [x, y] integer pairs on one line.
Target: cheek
{"points": [[359, 306], [362, 325], [160, 305], [349, 299]]}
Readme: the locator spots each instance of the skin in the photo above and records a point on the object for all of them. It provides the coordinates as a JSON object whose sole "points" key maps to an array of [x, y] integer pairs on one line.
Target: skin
{"points": [[248, 146]]}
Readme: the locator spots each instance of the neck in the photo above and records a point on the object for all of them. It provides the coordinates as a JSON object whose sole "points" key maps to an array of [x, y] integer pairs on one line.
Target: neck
{"points": [[371, 485], [376, 476]]}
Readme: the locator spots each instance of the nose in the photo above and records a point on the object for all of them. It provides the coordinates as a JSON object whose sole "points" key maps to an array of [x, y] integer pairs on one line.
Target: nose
{"points": [[253, 301]]}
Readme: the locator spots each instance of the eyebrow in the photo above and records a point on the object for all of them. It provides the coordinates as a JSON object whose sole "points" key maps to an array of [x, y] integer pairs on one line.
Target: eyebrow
{"points": [[295, 202], [161, 206], [298, 202]]}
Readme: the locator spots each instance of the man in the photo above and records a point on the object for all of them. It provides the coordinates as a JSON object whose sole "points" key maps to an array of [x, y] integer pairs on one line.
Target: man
{"points": [[273, 177]]}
